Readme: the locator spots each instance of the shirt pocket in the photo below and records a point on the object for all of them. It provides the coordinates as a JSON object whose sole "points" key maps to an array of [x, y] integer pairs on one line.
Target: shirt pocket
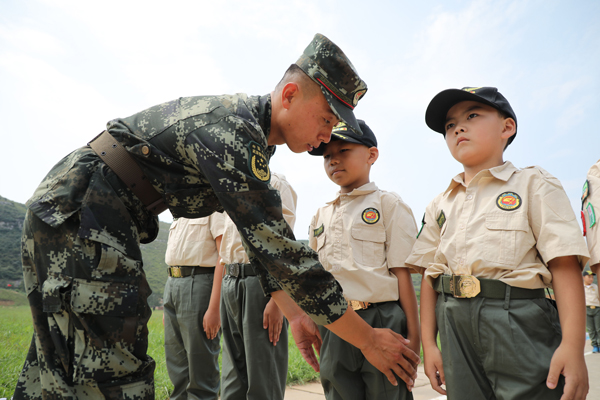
{"points": [[368, 244], [506, 236]]}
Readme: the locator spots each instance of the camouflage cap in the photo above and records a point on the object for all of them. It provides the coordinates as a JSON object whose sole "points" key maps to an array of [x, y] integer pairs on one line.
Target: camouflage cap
{"points": [[327, 65]]}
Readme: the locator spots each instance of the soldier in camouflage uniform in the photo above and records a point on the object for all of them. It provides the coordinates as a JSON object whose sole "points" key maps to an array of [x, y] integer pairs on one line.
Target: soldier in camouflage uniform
{"points": [[82, 262]]}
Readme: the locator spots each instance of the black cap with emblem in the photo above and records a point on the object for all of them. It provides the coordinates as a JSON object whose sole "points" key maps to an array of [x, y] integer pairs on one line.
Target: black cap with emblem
{"points": [[341, 132], [325, 63], [438, 107]]}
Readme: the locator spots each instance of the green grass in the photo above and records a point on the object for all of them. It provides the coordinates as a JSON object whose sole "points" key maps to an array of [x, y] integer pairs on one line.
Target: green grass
{"points": [[15, 337], [19, 299]]}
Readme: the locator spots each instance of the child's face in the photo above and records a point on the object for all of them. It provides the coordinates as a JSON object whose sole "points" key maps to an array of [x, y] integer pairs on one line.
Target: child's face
{"points": [[588, 279], [475, 134], [348, 164]]}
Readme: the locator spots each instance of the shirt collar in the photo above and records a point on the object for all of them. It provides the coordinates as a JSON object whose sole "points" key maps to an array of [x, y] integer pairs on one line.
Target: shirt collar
{"points": [[360, 191], [502, 172]]}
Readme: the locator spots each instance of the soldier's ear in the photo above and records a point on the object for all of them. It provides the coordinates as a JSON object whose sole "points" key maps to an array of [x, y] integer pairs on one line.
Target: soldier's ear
{"points": [[289, 93], [373, 155]]}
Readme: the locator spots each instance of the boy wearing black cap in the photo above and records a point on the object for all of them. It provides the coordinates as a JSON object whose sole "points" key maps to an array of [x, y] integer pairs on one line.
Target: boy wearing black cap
{"points": [[592, 305], [489, 246], [363, 237]]}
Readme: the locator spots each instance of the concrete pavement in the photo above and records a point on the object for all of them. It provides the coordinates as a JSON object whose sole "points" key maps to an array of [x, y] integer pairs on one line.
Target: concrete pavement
{"points": [[423, 391]]}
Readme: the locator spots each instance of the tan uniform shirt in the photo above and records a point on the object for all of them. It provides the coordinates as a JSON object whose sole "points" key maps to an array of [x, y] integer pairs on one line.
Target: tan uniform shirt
{"points": [[192, 241], [591, 295], [507, 224], [232, 250], [590, 203], [360, 236]]}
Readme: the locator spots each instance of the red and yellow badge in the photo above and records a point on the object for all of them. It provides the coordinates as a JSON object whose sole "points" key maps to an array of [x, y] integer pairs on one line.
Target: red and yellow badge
{"points": [[258, 163], [357, 96], [508, 201], [370, 215]]}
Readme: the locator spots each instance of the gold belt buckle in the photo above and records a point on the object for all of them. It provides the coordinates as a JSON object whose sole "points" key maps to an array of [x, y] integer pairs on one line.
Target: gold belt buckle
{"points": [[464, 286], [592, 307], [175, 272], [358, 305]]}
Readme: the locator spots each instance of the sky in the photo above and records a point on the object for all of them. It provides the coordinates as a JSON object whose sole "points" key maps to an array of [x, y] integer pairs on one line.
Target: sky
{"points": [[67, 67]]}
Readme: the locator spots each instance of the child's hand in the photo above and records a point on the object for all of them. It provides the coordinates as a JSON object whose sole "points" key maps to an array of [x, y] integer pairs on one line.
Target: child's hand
{"points": [[211, 323], [273, 320], [570, 363], [434, 368], [307, 338]]}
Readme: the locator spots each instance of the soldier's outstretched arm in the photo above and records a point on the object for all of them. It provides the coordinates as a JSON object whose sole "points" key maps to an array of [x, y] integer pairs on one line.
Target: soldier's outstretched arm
{"points": [[384, 348]]}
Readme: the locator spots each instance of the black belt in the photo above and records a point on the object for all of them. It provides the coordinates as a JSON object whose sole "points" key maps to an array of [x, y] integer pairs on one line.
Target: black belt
{"points": [[488, 288], [183, 271], [239, 270], [124, 166]]}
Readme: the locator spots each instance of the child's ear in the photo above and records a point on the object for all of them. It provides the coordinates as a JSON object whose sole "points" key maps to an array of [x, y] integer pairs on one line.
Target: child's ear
{"points": [[373, 155], [510, 128]]}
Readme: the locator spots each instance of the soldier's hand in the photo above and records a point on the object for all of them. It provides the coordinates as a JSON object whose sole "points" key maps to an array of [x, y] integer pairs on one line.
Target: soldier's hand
{"points": [[307, 338], [434, 368], [389, 353], [211, 323], [570, 363], [273, 320]]}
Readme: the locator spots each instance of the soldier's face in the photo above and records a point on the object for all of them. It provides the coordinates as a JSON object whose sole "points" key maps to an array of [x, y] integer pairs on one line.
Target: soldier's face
{"points": [[309, 122]]}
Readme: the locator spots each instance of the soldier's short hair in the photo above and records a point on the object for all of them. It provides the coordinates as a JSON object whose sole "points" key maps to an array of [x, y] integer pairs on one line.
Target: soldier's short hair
{"points": [[295, 74]]}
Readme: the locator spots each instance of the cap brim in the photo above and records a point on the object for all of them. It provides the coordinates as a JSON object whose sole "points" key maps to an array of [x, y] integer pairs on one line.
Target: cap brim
{"points": [[437, 110], [321, 149], [341, 111]]}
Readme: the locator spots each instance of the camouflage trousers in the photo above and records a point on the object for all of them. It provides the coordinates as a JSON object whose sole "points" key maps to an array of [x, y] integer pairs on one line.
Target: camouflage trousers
{"points": [[90, 310]]}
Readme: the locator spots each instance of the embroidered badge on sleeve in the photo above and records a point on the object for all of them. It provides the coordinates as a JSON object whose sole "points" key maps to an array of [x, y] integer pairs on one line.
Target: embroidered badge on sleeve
{"points": [[257, 162]]}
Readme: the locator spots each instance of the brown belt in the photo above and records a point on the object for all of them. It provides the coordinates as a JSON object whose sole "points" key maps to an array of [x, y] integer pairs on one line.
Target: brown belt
{"points": [[124, 166], [183, 271]]}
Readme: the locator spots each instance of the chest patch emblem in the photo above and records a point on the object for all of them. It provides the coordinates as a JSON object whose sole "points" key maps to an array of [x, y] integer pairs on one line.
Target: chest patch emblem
{"points": [[591, 215], [585, 192], [257, 162], [370, 215], [508, 201], [441, 219], [319, 230]]}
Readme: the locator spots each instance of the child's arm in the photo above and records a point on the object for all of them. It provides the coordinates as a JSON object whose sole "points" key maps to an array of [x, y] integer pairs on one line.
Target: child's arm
{"points": [[431, 353], [568, 358], [273, 321], [408, 302], [212, 318]]}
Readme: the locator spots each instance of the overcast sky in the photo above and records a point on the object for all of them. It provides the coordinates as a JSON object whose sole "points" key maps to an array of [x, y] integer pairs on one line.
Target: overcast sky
{"points": [[69, 66]]}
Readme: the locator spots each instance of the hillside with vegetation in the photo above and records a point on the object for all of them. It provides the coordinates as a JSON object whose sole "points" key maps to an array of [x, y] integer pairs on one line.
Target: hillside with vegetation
{"points": [[12, 215]]}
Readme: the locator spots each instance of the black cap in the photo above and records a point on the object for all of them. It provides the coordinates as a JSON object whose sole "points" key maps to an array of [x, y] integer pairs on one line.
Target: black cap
{"points": [[341, 132], [438, 108], [326, 64], [586, 273]]}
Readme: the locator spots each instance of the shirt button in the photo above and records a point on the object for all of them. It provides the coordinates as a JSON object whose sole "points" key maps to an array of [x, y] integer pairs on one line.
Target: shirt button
{"points": [[469, 197], [145, 150], [462, 226]]}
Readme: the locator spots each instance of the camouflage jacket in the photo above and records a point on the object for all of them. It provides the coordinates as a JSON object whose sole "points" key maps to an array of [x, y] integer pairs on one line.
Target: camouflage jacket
{"points": [[203, 154]]}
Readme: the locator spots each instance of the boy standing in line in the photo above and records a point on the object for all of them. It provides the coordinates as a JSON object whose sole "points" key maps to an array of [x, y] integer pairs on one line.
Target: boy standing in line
{"points": [[255, 333], [592, 305], [363, 237], [489, 245], [192, 295]]}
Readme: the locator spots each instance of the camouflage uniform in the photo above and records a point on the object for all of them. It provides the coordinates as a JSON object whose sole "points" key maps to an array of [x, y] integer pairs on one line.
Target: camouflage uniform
{"points": [[82, 262]]}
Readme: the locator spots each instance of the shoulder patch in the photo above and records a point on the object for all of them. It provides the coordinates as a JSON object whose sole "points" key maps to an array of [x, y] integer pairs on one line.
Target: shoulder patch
{"points": [[422, 226], [583, 222], [591, 215], [509, 201], [257, 162], [319, 230], [585, 192], [441, 219], [370, 215]]}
